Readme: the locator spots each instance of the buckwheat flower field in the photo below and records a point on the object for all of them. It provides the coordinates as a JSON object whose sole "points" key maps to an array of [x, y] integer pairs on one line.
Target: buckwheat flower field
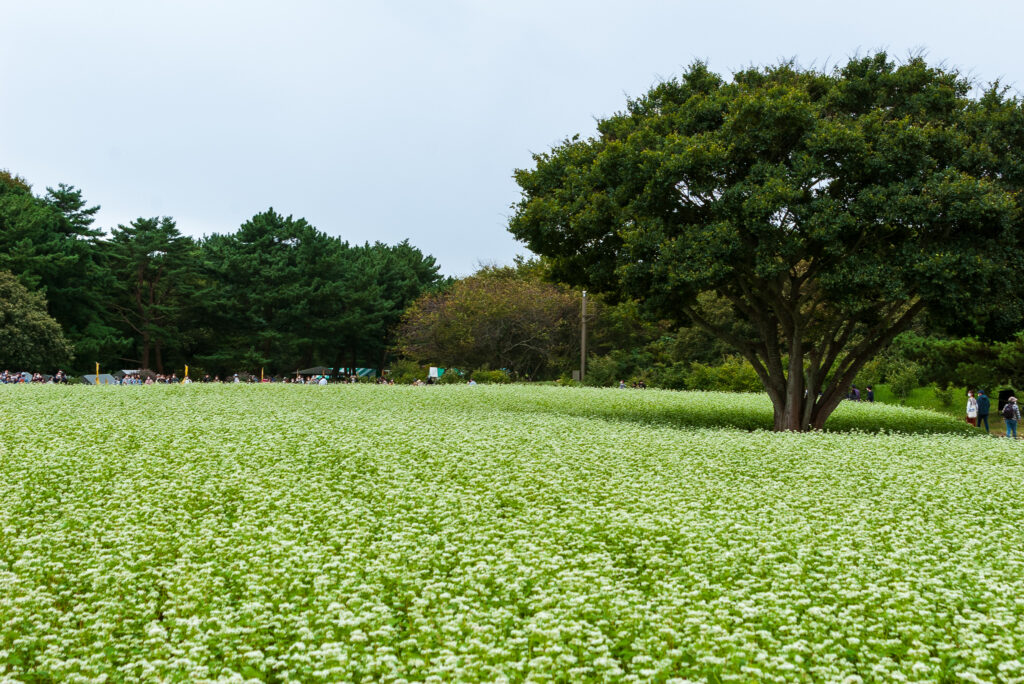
{"points": [[454, 533]]}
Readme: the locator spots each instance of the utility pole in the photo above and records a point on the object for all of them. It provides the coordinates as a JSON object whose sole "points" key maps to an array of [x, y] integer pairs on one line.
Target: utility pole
{"points": [[583, 338]]}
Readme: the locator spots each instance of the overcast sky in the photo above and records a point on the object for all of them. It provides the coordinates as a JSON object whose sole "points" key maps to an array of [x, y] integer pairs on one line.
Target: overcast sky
{"points": [[392, 120]]}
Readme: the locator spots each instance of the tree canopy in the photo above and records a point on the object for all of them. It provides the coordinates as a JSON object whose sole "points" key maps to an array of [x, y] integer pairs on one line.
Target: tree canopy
{"points": [[497, 318], [828, 208], [277, 293], [280, 292], [155, 273], [49, 244], [29, 337]]}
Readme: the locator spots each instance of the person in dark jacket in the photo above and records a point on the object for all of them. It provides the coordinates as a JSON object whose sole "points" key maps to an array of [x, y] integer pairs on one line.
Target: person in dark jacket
{"points": [[984, 406], [1011, 414]]}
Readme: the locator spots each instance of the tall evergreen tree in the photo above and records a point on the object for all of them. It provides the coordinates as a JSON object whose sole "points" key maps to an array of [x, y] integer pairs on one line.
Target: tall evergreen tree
{"points": [[48, 243], [155, 267], [68, 200], [404, 273], [269, 293]]}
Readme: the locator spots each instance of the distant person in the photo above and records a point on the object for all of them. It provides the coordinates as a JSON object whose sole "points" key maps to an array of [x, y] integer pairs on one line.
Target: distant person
{"points": [[323, 380], [622, 384], [984, 407], [1011, 414], [972, 409], [871, 394], [855, 394]]}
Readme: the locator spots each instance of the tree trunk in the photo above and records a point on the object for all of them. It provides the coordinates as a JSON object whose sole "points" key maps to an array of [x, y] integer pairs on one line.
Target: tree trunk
{"points": [[146, 343], [339, 362]]}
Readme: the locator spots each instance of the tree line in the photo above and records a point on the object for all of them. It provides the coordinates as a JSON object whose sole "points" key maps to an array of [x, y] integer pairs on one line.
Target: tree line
{"points": [[802, 220], [277, 293]]}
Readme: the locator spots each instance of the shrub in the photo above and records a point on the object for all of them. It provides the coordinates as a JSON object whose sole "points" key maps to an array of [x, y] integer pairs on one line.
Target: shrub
{"points": [[451, 376], [406, 372], [734, 375], [491, 376], [903, 377], [670, 377], [945, 396]]}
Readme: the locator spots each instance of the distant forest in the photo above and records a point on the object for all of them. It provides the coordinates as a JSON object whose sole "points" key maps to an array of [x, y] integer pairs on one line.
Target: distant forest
{"points": [[277, 293]]}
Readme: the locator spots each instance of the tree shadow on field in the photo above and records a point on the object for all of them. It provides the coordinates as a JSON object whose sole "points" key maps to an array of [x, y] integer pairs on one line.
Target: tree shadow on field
{"points": [[751, 412]]}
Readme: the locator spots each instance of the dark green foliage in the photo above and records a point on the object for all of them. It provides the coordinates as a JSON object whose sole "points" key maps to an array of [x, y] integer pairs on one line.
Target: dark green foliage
{"points": [[278, 294], [156, 271], [281, 293], [963, 361], [29, 338], [828, 209], [48, 243]]}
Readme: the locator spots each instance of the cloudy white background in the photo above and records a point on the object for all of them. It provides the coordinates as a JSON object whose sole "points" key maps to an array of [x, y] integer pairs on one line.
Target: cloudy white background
{"points": [[392, 120]]}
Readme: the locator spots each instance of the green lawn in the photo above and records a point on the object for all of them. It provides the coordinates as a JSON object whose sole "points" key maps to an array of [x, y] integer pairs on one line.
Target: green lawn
{"points": [[926, 398]]}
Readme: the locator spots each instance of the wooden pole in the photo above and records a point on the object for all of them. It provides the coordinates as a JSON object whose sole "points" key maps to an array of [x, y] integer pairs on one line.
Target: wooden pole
{"points": [[583, 338]]}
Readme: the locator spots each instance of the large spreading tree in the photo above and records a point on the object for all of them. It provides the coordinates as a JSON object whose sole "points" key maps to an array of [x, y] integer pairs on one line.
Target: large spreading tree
{"points": [[29, 338], [829, 209]]}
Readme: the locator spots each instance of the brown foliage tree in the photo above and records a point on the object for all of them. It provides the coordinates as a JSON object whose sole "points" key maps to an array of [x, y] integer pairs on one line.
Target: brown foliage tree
{"points": [[497, 318]]}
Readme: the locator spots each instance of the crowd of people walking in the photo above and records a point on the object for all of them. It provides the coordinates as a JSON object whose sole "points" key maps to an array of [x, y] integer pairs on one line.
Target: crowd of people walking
{"points": [[979, 408], [24, 377], [8, 377]]}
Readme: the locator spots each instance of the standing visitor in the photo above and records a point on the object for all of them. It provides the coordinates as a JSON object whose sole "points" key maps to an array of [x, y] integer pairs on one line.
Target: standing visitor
{"points": [[984, 406], [1011, 414], [972, 408], [871, 394]]}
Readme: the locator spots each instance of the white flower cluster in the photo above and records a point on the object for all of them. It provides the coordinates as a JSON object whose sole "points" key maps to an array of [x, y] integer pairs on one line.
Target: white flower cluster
{"points": [[511, 533]]}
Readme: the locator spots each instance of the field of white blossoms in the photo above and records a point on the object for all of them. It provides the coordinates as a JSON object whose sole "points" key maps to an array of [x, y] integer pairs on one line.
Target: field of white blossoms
{"points": [[454, 533]]}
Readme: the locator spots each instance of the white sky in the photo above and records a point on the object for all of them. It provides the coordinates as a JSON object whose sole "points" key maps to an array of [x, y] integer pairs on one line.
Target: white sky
{"points": [[392, 120]]}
